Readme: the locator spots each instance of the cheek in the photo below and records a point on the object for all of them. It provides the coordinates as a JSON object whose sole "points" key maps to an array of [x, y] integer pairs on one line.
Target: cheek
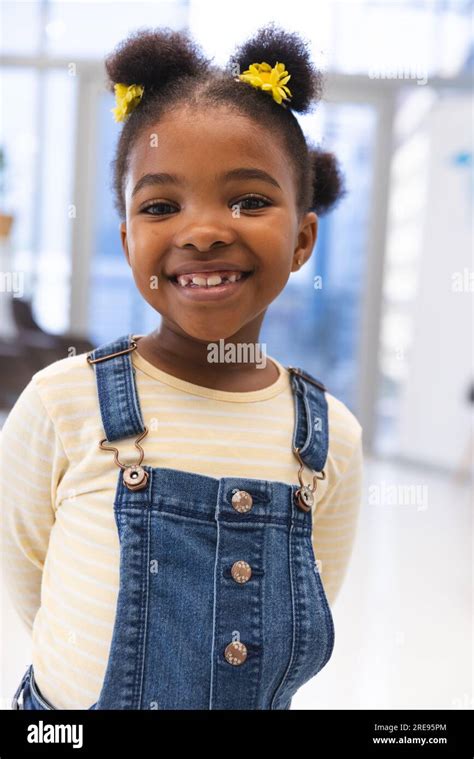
{"points": [[143, 268], [142, 245], [274, 282], [144, 253], [275, 241], [276, 263]]}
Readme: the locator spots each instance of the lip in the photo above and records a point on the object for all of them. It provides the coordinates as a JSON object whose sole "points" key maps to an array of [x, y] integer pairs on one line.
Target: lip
{"points": [[217, 292], [193, 267]]}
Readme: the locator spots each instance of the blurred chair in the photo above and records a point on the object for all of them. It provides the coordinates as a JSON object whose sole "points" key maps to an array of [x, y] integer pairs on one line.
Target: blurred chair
{"points": [[30, 350]]}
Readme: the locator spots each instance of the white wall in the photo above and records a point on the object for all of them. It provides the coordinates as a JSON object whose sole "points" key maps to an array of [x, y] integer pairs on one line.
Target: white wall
{"points": [[434, 421]]}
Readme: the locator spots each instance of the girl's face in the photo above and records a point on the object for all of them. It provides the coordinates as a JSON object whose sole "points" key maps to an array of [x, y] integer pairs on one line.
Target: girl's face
{"points": [[196, 220]]}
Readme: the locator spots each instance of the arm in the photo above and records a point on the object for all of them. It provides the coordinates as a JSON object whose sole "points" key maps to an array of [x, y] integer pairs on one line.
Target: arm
{"points": [[335, 523], [29, 451]]}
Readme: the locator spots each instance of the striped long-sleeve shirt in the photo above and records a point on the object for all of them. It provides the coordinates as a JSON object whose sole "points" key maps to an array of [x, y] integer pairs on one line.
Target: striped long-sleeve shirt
{"points": [[59, 541]]}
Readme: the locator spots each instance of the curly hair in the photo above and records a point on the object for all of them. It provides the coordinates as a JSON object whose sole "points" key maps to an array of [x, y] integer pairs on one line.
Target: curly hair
{"points": [[174, 72]]}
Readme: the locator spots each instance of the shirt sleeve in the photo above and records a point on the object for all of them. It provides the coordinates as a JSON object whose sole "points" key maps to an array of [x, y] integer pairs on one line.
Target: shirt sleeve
{"points": [[335, 523], [29, 455]]}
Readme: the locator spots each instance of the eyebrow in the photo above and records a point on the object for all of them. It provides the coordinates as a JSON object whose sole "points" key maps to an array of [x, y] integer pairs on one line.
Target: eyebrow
{"points": [[176, 179]]}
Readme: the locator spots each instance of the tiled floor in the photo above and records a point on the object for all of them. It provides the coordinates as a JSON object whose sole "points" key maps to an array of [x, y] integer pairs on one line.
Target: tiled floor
{"points": [[403, 619]]}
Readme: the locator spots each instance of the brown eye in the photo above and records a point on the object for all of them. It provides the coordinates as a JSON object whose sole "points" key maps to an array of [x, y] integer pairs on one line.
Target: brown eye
{"points": [[253, 199], [148, 209]]}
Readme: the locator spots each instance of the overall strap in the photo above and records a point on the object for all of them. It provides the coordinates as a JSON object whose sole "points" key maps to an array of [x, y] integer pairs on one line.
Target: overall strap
{"points": [[118, 398], [311, 433], [121, 414]]}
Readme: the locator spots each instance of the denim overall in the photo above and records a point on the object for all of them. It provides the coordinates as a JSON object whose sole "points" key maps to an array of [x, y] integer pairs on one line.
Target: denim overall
{"points": [[220, 602]]}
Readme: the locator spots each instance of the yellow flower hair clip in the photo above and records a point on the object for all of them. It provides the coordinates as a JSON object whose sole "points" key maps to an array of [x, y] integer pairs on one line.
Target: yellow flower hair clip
{"points": [[127, 98], [273, 80]]}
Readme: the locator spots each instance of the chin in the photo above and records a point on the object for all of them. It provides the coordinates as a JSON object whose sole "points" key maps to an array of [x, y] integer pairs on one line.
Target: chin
{"points": [[211, 333]]}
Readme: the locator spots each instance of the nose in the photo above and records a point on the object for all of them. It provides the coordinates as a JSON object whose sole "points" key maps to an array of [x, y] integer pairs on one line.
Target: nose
{"points": [[204, 236], [203, 247]]}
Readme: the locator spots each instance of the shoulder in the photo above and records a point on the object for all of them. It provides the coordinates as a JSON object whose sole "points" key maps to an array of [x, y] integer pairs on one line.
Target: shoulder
{"points": [[50, 395], [59, 386], [343, 419], [63, 369], [345, 436], [339, 415], [345, 430]]}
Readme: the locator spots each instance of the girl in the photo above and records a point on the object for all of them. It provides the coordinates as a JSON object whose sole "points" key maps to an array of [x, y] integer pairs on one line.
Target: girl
{"points": [[176, 527]]}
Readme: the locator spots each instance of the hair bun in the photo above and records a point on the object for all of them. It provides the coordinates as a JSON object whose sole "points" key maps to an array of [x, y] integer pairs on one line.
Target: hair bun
{"points": [[328, 181], [152, 58], [271, 44]]}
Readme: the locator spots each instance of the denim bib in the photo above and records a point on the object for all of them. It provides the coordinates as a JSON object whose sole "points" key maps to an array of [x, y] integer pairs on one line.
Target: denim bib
{"points": [[220, 602]]}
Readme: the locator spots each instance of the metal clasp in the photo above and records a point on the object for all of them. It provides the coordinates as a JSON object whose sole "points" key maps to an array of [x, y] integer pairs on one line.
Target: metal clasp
{"points": [[296, 370], [134, 476], [133, 345], [305, 494]]}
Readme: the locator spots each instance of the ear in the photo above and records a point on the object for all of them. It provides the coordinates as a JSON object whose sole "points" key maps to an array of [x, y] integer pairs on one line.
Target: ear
{"points": [[123, 237], [307, 236]]}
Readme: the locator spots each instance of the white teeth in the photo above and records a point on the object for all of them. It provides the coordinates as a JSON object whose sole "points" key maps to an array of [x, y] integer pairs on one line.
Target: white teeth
{"points": [[207, 281], [199, 281], [215, 279]]}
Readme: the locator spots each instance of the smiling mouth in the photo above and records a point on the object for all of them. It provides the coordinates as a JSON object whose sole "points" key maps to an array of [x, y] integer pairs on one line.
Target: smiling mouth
{"points": [[208, 280], [209, 286]]}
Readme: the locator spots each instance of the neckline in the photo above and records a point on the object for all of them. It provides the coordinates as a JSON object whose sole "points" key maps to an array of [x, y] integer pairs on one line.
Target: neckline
{"points": [[263, 393]]}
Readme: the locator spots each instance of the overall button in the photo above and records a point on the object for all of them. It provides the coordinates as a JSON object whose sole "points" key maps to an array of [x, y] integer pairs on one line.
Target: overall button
{"points": [[304, 498], [242, 501], [241, 571], [236, 653], [135, 477]]}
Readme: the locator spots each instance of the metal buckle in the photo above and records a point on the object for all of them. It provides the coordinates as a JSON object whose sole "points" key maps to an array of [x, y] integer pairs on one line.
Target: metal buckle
{"points": [[304, 496], [134, 476], [133, 345], [295, 370]]}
